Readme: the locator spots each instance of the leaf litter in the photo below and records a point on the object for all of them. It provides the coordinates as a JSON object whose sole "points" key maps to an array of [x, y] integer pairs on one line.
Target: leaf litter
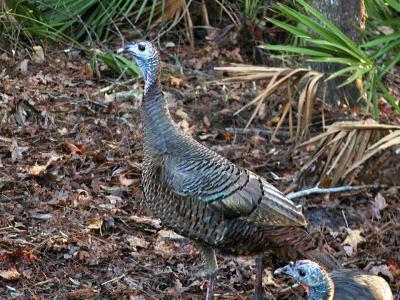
{"points": [[73, 220]]}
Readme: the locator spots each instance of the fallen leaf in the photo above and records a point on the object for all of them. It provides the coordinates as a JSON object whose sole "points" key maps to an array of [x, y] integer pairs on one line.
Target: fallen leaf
{"points": [[175, 82], [169, 234], [18, 254], [156, 223], [94, 223], [88, 71], [10, 275], [85, 293], [257, 140], [62, 131], [352, 240], [228, 136], [310, 148], [23, 67], [16, 151], [206, 121], [125, 181], [136, 242], [75, 149], [165, 248], [182, 114], [348, 250], [378, 204], [37, 54], [37, 170]]}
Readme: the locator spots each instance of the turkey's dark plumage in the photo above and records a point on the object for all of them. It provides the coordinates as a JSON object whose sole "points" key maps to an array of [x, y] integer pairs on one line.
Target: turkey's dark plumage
{"points": [[202, 195], [339, 284]]}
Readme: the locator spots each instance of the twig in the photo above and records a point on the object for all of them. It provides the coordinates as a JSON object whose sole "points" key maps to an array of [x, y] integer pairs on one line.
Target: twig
{"points": [[114, 279], [265, 132], [110, 87], [339, 189], [345, 219]]}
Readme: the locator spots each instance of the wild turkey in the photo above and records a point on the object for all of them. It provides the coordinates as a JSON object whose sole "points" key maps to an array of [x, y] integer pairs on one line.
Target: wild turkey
{"points": [[339, 284], [201, 195]]}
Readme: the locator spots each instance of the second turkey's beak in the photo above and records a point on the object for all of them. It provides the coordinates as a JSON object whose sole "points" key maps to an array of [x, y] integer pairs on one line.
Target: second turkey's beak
{"points": [[284, 270], [122, 50]]}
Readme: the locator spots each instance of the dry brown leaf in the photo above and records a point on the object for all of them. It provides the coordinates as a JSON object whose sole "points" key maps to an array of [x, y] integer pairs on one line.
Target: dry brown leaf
{"points": [[37, 170], [94, 223], [182, 114], [85, 293], [37, 54], [136, 242], [175, 82], [10, 275], [16, 151], [155, 223], [125, 181], [257, 140], [352, 240], [75, 149], [165, 248], [88, 71], [378, 204], [206, 121], [169, 234]]}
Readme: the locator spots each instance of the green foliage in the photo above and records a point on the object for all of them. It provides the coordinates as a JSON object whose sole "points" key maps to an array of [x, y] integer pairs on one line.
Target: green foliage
{"points": [[47, 21], [252, 8], [93, 18], [117, 63], [321, 41]]}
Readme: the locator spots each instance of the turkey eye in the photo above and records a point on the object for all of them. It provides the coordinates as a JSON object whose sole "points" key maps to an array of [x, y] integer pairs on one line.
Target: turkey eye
{"points": [[302, 273], [141, 47]]}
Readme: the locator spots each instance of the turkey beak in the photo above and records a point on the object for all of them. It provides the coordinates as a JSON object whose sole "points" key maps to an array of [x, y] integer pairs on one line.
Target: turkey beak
{"points": [[284, 270], [122, 50]]}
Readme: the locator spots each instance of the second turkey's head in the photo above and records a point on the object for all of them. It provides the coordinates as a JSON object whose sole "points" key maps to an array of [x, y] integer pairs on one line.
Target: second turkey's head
{"points": [[306, 272], [147, 57]]}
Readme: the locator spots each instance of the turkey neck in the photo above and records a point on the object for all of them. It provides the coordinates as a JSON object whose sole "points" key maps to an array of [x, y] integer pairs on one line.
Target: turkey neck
{"points": [[325, 291], [157, 122]]}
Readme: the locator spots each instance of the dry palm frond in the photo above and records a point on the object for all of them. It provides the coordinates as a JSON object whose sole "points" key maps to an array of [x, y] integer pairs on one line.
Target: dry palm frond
{"points": [[279, 79], [345, 146]]}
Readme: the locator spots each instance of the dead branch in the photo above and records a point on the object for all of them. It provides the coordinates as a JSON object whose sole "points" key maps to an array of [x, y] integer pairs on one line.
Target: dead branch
{"points": [[338, 189]]}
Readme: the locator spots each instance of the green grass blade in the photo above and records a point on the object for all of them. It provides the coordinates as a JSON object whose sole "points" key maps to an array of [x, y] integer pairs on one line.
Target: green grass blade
{"points": [[293, 49], [342, 72]]}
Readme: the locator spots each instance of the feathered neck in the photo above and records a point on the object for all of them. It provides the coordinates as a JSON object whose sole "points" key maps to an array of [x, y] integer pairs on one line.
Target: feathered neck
{"points": [[151, 70], [158, 124], [325, 291]]}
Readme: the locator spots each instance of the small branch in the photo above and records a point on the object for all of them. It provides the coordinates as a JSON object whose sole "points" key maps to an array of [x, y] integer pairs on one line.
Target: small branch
{"points": [[265, 132], [112, 86], [339, 189], [114, 279]]}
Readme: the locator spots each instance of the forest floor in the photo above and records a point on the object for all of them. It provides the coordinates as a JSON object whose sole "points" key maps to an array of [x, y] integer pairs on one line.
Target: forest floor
{"points": [[73, 223]]}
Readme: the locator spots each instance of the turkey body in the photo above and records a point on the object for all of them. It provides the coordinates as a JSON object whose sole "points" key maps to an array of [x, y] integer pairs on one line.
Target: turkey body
{"points": [[356, 285], [203, 196]]}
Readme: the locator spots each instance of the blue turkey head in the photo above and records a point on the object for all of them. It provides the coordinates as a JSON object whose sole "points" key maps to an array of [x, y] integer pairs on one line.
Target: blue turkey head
{"points": [[147, 57], [305, 272]]}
